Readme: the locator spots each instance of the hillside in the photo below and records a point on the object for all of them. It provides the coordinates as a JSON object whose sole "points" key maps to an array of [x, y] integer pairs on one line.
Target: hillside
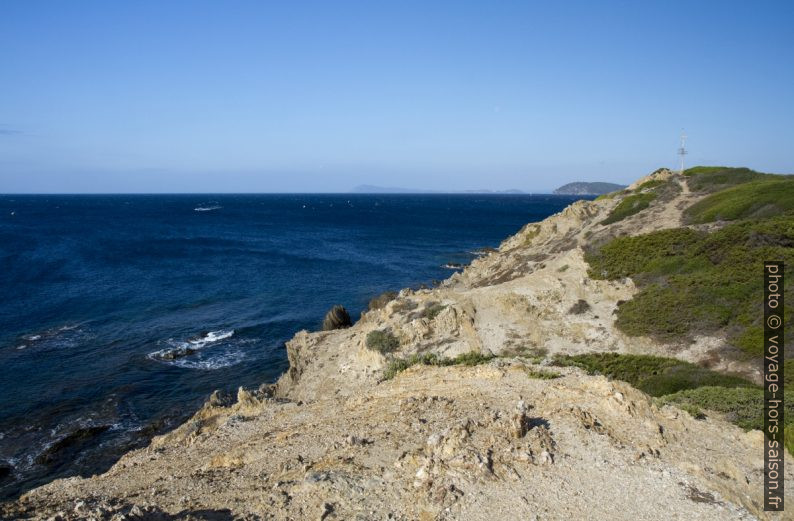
{"points": [[582, 188], [601, 364]]}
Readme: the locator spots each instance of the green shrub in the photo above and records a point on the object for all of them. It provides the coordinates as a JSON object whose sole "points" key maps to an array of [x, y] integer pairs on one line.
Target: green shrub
{"points": [[470, 358], [653, 183], [788, 371], [756, 199], [404, 305], [581, 306], [743, 406], [432, 309], [611, 195], [381, 300], [534, 354], [629, 206], [382, 341], [654, 375], [692, 388], [533, 231], [542, 374], [629, 256], [401, 364]]}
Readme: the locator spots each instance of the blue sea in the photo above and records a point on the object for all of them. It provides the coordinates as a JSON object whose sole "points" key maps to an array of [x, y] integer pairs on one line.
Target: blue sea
{"points": [[98, 291]]}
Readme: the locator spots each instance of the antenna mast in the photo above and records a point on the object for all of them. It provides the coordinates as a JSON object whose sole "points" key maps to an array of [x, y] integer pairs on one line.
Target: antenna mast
{"points": [[682, 151]]}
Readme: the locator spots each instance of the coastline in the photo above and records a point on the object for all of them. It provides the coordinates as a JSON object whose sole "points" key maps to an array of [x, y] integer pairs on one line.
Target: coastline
{"points": [[333, 438]]}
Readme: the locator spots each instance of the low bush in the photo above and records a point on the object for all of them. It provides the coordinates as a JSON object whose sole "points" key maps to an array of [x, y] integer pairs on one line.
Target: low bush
{"points": [[579, 308], [532, 231], [542, 374], [653, 183], [381, 300], [404, 305], [629, 206], [534, 354], [742, 406], [611, 195], [470, 358], [692, 388], [401, 364], [431, 310], [382, 341], [336, 318], [654, 375]]}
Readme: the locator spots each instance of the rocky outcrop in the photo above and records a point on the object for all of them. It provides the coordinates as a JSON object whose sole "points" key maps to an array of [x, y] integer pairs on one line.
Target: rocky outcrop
{"points": [[486, 442], [57, 450]]}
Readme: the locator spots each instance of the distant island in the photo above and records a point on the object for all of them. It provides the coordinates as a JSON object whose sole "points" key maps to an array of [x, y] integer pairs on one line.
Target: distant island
{"points": [[581, 188], [372, 189]]}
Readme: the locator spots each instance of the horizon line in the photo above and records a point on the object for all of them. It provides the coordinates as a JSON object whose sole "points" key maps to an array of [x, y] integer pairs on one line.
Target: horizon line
{"points": [[5, 194]]}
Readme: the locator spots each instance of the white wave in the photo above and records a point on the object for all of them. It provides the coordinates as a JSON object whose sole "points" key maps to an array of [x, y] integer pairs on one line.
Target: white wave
{"points": [[482, 252], [177, 350], [55, 338], [206, 208], [212, 362], [68, 327], [211, 337]]}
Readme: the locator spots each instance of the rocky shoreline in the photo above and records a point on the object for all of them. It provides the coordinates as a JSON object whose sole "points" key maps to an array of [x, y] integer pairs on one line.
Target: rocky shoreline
{"points": [[344, 434]]}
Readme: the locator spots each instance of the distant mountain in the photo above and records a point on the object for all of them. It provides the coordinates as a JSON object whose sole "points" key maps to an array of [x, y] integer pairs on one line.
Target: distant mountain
{"points": [[581, 188], [372, 189], [483, 191]]}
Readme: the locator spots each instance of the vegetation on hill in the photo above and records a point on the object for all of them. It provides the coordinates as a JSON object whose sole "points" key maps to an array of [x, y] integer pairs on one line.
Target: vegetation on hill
{"points": [[754, 199], [690, 387], [629, 206], [716, 178], [654, 375], [401, 364], [653, 183], [382, 341], [695, 282], [583, 188]]}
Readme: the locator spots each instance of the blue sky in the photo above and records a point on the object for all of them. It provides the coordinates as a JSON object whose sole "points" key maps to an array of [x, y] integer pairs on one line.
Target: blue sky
{"points": [[235, 96]]}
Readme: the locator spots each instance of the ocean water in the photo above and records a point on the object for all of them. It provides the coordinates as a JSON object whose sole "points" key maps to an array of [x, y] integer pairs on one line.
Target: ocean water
{"points": [[100, 292]]}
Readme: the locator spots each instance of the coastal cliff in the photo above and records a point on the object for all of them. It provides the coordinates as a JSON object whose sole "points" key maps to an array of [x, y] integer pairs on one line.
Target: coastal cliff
{"points": [[468, 401]]}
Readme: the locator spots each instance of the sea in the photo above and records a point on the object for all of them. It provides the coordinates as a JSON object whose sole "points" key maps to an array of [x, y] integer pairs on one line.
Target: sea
{"points": [[120, 314]]}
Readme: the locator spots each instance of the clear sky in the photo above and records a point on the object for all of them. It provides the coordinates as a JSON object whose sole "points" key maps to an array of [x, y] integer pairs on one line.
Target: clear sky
{"points": [[232, 96]]}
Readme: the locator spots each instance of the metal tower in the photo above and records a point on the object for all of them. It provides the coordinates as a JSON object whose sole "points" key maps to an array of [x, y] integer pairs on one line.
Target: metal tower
{"points": [[682, 151]]}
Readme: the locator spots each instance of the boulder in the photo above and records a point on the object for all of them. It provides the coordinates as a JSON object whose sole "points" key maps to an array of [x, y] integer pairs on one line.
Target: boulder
{"points": [[75, 440]]}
